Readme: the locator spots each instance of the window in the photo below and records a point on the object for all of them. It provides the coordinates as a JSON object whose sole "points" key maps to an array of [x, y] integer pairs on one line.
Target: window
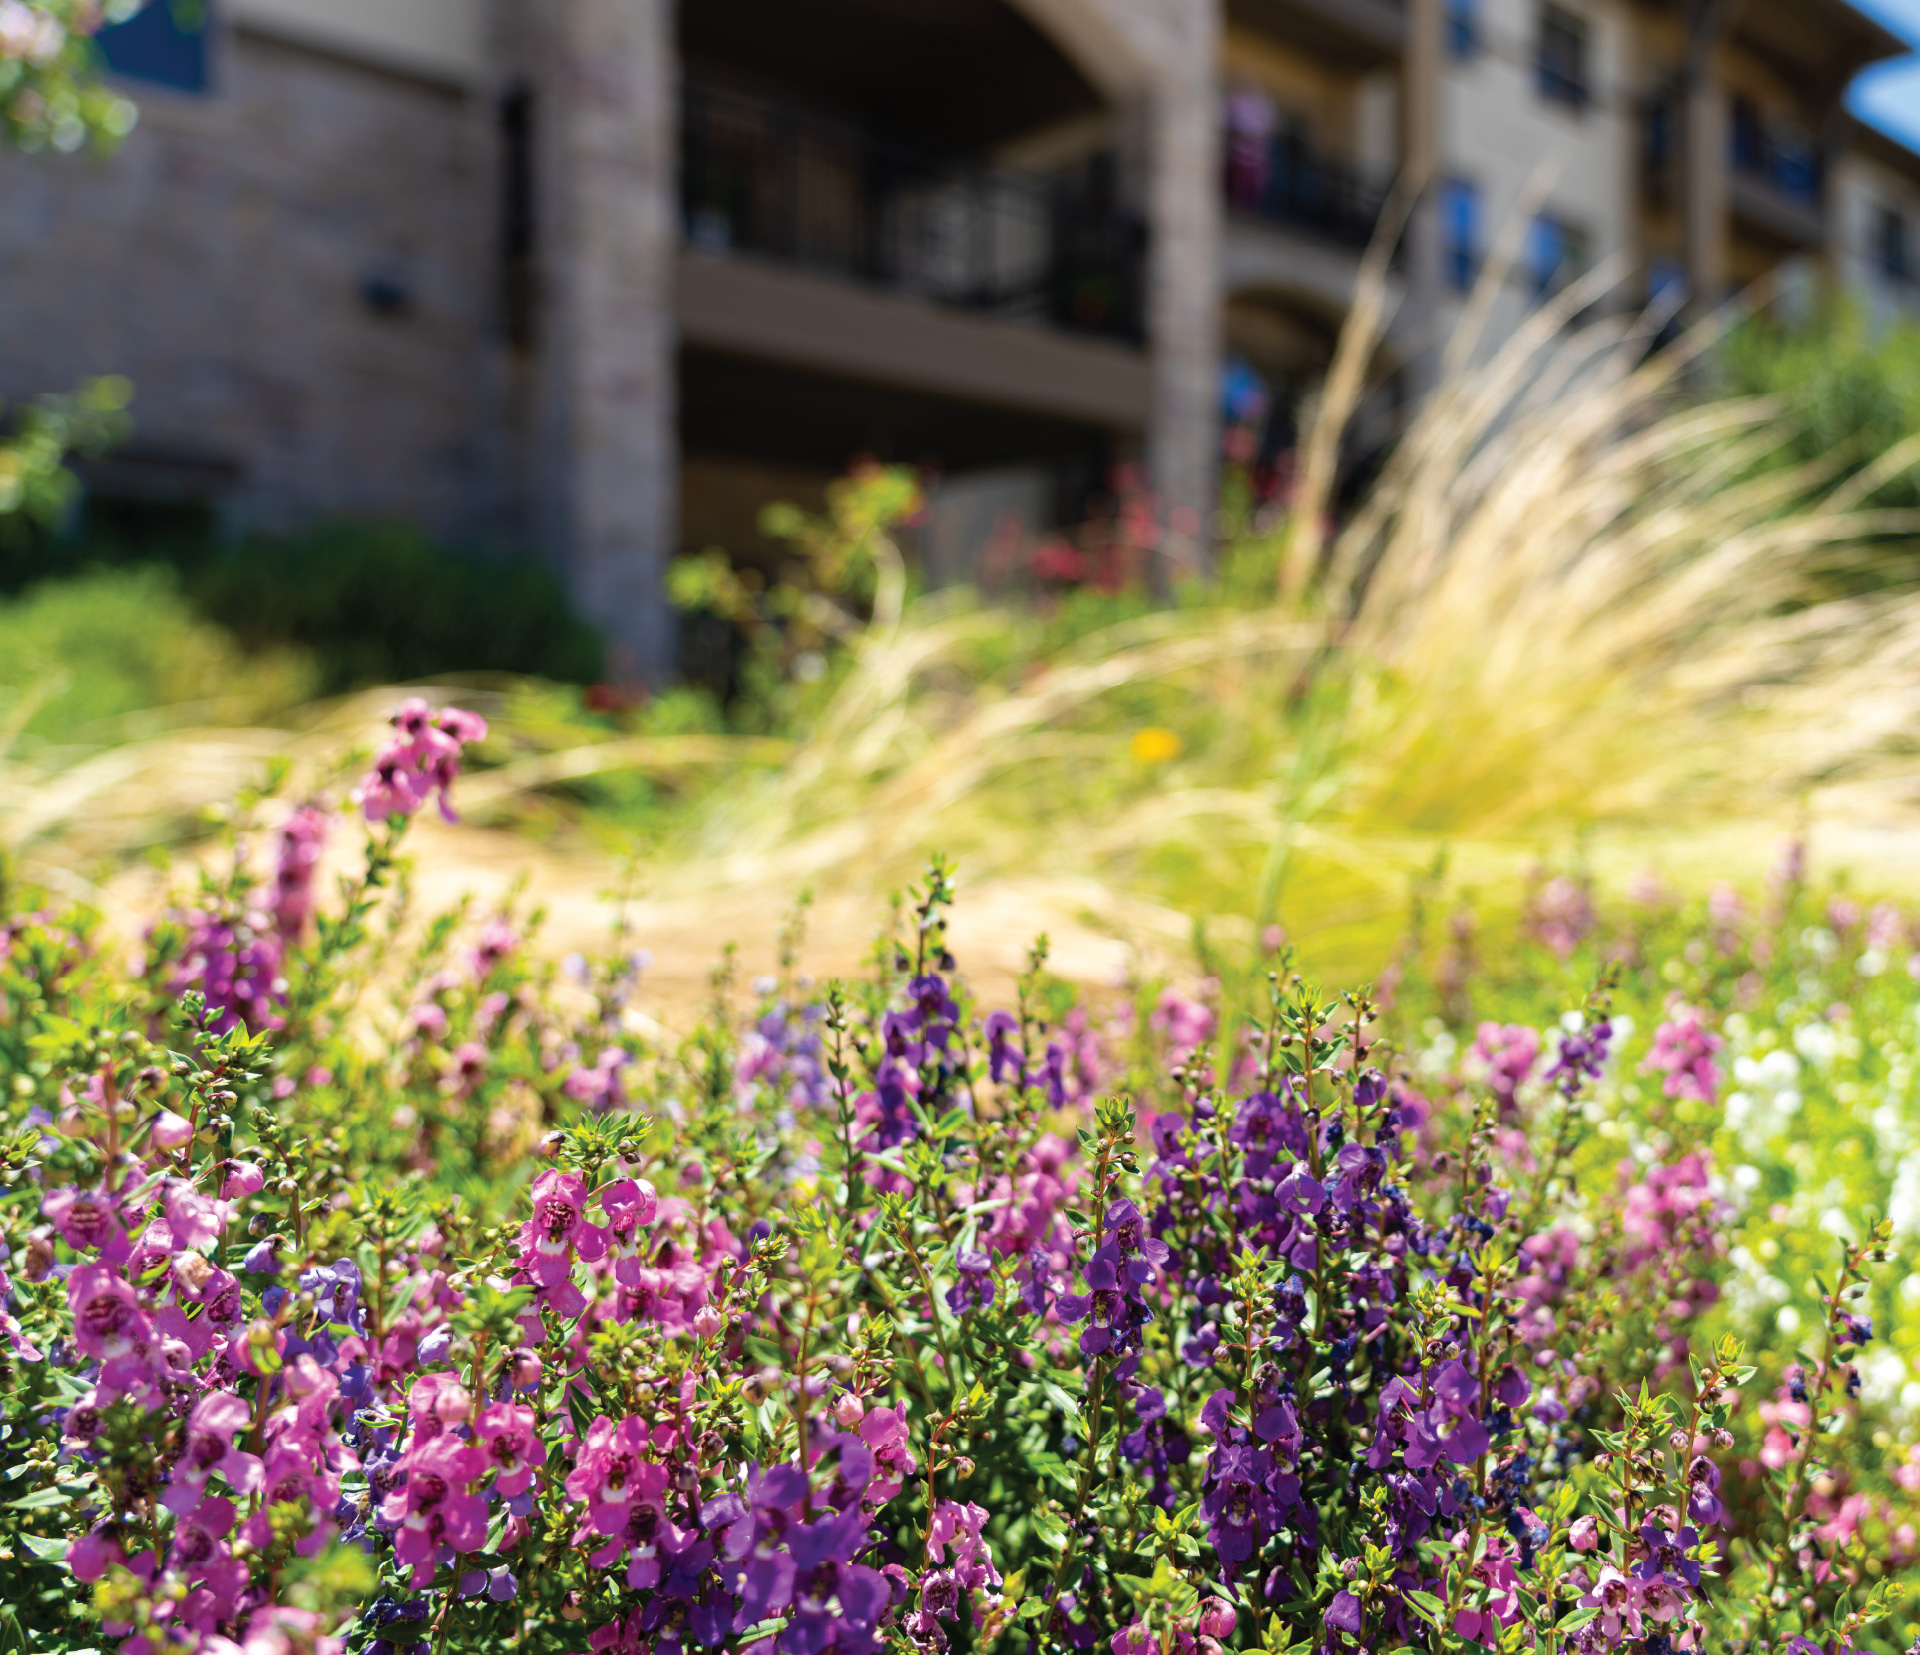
{"points": [[1892, 247], [1463, 27], [165, 42], [1460, 232], [1556, 254], [1562, 64]]}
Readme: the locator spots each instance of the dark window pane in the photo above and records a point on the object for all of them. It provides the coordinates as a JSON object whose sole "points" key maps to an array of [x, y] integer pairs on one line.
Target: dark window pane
{"points": [[1890, 247], [1562, 62], [166, 41], [1460, 232]]}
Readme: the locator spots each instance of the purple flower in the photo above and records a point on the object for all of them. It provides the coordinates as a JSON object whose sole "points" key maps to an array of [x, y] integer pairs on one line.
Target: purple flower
{"points": [[1667, 1558], [975, 1286], [1343, 1614]]}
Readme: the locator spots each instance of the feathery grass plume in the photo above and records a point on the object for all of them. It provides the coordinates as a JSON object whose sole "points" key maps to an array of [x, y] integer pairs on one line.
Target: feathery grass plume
{"points": [[1572, 601]]}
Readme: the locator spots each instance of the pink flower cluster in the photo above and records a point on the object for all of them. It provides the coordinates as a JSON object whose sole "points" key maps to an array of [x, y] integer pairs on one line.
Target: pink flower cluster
{"points": [[302, 840], [1683, 1048], [1508, 1053], [420, 762]]}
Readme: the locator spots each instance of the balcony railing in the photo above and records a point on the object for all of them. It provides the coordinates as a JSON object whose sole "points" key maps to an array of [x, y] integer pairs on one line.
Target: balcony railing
{"points": [[781, 184], [1284, 180], [1777, 173], [1778, 157]]}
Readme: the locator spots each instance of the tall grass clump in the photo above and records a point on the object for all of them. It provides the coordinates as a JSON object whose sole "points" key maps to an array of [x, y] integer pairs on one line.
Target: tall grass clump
{"points": [[1580, 601]]}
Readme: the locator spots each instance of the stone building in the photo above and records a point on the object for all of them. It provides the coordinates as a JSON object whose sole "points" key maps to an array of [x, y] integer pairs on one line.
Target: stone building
{"points": [[596, 277]]}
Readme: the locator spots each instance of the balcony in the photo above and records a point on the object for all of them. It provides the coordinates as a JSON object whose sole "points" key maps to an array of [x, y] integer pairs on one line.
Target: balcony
{"points": [[1283, 180], [787, 187], [1776, 176], [1777, 180]]}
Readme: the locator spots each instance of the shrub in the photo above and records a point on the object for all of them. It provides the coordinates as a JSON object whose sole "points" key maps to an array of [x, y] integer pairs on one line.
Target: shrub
{"points": [[372, 1287], [77, 656], [365, 603]]}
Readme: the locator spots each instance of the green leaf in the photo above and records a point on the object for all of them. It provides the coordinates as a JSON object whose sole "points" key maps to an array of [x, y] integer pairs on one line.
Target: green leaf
{"points": [[48, 1551], [42, 1499], [1428, 1607]]}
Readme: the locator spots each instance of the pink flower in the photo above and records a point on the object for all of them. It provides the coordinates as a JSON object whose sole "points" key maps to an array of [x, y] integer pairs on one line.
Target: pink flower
{"points": [[1619, 1605], [433, 1508], [422, 760], [301, 841], [558, 1229], [1683, 1051], [959, 1526], [217, 1418], [87, 1220], [884, 1430], [498, 942], [1186, 1023], [196, 1220], [90, 1556], [1218, 1619], [630, 1204], [600, 1088], [107, 1319], [510, 1445], [613, 1478], [1584, 1536], [1509, 1053]]}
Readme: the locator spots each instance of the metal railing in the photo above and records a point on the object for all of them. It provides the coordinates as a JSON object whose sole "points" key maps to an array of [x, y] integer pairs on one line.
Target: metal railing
{"points": [[777, 182], [1779, 159], [1285, 180], [1778, 156]]}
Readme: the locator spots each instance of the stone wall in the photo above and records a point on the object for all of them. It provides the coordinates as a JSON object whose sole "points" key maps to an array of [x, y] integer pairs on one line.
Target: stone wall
{"points": [[298, 271]]}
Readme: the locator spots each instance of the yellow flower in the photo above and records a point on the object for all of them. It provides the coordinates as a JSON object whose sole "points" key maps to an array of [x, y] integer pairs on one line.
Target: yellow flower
{"points": [[1154, 745]]}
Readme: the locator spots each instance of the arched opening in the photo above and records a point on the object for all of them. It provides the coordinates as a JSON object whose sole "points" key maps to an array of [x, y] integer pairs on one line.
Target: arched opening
{"points": [[944, 159]]}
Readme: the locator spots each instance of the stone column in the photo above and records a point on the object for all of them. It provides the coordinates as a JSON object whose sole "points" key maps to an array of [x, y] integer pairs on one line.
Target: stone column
{"points": [[1703, 156], [1420, 169], [1184, 299], [611, 104]]}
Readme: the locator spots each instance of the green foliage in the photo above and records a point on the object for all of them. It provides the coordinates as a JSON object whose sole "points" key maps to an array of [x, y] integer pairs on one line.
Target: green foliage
{"points": [[78, 656], [377, 604], [34, 483], [1852, 387], [50, 94]]}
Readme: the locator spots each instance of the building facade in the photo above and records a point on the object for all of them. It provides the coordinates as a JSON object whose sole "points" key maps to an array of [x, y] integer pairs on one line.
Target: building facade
{"points": [[598, 277]]}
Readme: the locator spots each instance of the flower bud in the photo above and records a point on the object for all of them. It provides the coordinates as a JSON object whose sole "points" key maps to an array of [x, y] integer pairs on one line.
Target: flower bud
{"points": [[1584, 1536], [452, 1404], [525, 1369], [243, 1178], [38, 1262], [171, 1131], [848, 1411], [1217, 1619], [706, 1322]]}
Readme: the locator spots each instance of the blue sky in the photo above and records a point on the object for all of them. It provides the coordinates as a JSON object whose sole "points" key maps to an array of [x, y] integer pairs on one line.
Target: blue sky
{"points": [[1888, 95]]}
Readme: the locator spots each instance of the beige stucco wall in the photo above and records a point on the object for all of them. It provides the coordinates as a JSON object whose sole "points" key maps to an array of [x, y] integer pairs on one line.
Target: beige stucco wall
{"points": [[1498, 132], [1861, 187]]}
